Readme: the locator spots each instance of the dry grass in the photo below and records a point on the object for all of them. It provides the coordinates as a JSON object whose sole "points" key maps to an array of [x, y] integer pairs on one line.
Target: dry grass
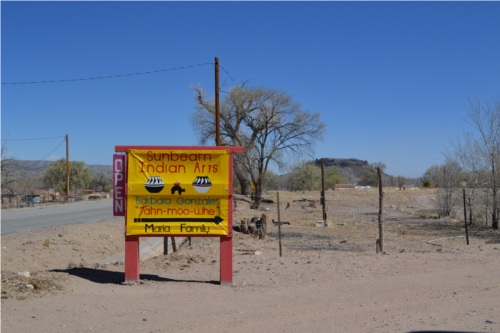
{"points": [[409, 224], [409, 221]]}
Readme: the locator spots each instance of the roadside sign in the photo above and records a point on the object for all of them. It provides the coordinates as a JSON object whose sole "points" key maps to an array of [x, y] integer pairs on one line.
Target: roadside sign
{"points": [[175, 192], [178, 192]]}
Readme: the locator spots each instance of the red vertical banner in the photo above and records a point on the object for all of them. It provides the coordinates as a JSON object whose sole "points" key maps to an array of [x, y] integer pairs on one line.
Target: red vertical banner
{"points": [[118, 185]]}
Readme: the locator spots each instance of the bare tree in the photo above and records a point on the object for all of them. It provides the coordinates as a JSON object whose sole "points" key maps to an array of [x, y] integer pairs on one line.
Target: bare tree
{"points": [[466, 153], [486, 120], [27, 183], [266, 122], [101, 182], [7, 168], [401, 181], [446, 178], [379, 168]]}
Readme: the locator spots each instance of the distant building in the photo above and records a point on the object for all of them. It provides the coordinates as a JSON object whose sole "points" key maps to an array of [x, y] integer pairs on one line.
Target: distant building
{"points": [[10, 200], [344, 186]]}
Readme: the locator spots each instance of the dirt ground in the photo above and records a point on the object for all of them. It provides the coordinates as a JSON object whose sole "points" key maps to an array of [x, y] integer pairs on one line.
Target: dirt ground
{"points": [[328, 279]]}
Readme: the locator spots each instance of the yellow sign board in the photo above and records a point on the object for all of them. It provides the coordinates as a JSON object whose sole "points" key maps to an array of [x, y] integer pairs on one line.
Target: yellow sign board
{"points": [[178, 192]]}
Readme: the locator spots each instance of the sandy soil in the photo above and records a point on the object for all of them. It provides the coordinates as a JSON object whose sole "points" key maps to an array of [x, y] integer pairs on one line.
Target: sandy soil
{"points": [[328, 279]]}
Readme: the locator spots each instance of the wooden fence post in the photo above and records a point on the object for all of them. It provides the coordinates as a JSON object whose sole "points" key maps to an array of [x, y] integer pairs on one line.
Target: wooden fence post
{"points": [[279, 220], [380, 240]]}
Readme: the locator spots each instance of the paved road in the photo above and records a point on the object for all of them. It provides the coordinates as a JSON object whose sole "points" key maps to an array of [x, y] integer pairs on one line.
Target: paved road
{"points": [[39, 217]]}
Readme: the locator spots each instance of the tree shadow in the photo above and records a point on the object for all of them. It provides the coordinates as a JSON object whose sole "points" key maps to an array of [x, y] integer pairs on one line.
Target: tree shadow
{"points": [[102, 276], [444, 227], [442, 332], [304, 241]]}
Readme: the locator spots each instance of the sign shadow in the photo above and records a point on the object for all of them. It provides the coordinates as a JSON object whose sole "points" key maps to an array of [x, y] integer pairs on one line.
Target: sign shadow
{"points": [[103, 276]]}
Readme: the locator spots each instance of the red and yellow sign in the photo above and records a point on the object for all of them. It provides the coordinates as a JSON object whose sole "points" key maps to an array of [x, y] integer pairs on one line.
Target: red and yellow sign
{"points": [[178, 192]]}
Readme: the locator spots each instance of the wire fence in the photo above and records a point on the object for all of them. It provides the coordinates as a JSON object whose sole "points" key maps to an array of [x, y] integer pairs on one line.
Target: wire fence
{"points": [[409, 219]]}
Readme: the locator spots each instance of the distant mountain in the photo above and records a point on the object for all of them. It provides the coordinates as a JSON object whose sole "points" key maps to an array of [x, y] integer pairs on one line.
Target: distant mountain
{"points": [[351, 169], [99, 168], [38, 168]]}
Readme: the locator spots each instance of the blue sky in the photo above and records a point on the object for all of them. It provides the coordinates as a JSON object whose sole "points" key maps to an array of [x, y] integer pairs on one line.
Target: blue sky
{"points": [[390, 79]]}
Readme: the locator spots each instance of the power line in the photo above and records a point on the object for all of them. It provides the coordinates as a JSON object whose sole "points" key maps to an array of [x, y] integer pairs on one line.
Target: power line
{"points": [[225, 70], [35, 139], [53, 150], [108, 76], [40, 139], [46, 156], [113, 77]]}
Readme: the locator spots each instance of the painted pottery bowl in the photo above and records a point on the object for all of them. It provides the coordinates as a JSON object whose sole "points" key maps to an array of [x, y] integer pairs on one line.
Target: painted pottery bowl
{"points": [[154, 184]]}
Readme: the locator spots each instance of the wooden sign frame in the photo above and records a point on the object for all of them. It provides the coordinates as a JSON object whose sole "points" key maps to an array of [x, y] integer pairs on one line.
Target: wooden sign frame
{"points": [[132, 271]]}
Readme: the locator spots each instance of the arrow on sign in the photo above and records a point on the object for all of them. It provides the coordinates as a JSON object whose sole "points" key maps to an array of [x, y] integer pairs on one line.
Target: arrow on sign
{"points": [[215, 219]]}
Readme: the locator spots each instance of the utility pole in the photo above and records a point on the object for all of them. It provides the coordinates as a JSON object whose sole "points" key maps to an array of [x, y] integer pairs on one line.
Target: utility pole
{"points": [[217, 104], [67, 168]]}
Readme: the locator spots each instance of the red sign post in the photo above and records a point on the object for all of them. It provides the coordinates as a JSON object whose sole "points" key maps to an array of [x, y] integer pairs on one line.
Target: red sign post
{"points": [[175, 192]]}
